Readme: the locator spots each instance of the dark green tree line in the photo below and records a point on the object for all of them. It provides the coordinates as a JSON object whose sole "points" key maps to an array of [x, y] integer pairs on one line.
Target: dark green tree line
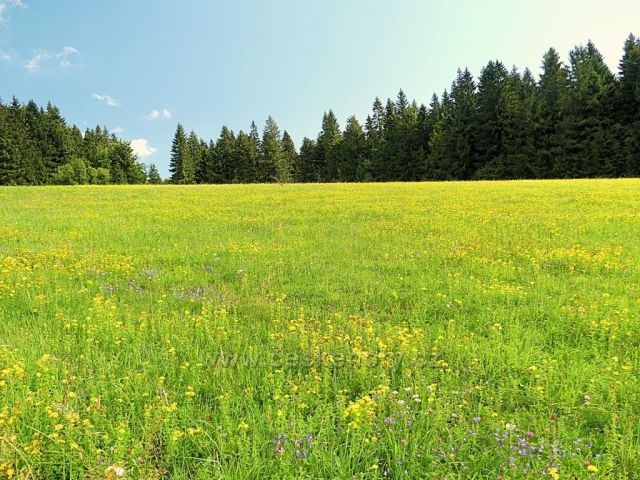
{"points": [[37, 147], [577, 119]]}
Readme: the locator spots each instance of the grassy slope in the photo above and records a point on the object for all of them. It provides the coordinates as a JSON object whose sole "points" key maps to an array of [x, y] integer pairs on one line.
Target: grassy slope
{"points": [[407, 329]]}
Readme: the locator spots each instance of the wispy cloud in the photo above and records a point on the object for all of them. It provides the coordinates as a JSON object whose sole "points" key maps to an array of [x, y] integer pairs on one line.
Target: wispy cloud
{"points": [[6, 5], [4, 56], [108, 99], [66, 56], [117, 130], [33, 65], [141, 147], [62, 59], [163, 114]]}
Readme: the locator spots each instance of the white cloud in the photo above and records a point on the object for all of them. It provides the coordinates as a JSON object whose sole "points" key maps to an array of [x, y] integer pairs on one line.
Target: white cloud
{"points": [[33, 65], [4, 56], [163, 114], [66, 56], [118, 130], [141, 147], [6, 5], [109, 100], [63, 59]]}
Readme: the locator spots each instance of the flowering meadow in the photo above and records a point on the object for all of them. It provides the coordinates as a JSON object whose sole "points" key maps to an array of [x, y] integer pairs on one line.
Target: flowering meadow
{"points": [[485, 330]]}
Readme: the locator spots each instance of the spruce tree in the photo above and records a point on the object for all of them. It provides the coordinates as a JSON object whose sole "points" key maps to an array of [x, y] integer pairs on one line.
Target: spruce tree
{"points": [[458, 130], [288, 160], [374, 131], [432, 119], [153, 176], [327, 162], [408, 156], [488, 132], [629, 74], [586, 150], [209, 171], [196, 157], [512, 159], [628, 127], [245, 159], [553, 91], [225, 156], [179, 157], [441, 146], [306, 166], [17, 148], [353, 153], [271, 152], [55, 147]]}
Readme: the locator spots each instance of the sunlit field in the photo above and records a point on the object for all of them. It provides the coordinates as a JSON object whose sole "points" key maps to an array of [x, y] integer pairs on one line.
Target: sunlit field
{"points": [[432, 330]]}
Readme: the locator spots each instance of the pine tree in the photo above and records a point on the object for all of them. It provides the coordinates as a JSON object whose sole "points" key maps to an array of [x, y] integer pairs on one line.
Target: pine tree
{"points": [[125, 167], [289, 158], [629, 74], [35, 120], [432, 119], [225, 156], [381, 159], [512, 159], [628, 127], [196, 156], [271, 152], [401, 159], [353, 153], [55, 146], [245, 159], [527, 92], [16, 148], [374, 132], [209, 171], [388, 170], [96, 148], [153, 176], [454, 147], [327, 162], [305, 170], [553, 91], [505, 135], [180, 161], [488, 134], [407, 160], [441, 148], [254, 136], [402, 103], [587, 151], [8, 146]]}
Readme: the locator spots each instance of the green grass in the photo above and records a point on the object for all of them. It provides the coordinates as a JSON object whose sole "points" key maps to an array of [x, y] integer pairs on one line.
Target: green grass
{"points": [[433, 330]]}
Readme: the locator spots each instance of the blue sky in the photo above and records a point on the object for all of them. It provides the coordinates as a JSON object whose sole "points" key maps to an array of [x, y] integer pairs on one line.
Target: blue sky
{"points": [[140, 66]]}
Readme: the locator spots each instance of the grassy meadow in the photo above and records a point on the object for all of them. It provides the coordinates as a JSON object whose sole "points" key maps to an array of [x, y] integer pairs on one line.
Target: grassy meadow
{"points": [[430, 330]]}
